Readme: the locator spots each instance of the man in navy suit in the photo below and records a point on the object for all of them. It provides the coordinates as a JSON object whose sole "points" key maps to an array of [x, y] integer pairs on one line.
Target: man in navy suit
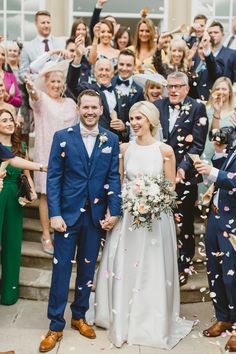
{"points": [[220, 241], [184, 126], [196, 30], [104, 73], [127, 91], [83, 190], [227, 55]]}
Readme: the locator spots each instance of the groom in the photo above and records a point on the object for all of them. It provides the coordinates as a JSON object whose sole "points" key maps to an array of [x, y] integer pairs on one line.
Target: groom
{"points": [[83, 190]]}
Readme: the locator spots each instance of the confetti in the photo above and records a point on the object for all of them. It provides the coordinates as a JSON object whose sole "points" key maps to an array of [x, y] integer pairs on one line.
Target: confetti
{"points": [[226, 208], [55, 261], [106, 186], [73, 261], [87, 261], [82, 210], [96, 200], [109, 193], [63, 154], [230, 272], [189, 138], [63, 144], [70, 129], [212, 294], [66, 235]]}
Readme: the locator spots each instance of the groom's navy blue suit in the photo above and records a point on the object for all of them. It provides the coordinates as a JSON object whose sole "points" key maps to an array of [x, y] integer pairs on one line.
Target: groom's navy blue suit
{"points": [[187, 136], [79, 189], [221, 256]]}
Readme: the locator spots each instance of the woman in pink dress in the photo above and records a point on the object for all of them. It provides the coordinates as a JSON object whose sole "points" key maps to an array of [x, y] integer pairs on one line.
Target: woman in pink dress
{"points": [[12, 95], [52, 112]]}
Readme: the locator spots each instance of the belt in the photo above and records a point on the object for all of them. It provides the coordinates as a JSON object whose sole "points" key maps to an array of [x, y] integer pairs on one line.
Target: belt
{"points": [[214, 208]]}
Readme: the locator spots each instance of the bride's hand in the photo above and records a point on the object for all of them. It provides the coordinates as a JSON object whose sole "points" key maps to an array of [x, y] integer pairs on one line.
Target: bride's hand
{"points": [[109, 223]]}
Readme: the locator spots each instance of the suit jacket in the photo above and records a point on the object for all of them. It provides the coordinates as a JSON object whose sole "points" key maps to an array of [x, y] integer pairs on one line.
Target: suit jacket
{"points": [[187, 136], [76, 88], [203, 81], [226, 181], [228, 56], [73, 177], [33, 49]]}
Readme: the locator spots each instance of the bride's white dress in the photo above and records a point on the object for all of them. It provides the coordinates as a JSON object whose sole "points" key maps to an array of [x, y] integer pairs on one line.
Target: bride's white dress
{"points": [[137, 292]]}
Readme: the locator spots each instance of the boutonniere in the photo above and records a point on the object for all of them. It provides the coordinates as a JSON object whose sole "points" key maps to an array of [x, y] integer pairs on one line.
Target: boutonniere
{"points": [[119, 93], [185, 108], [103, 138], [132, 91]]}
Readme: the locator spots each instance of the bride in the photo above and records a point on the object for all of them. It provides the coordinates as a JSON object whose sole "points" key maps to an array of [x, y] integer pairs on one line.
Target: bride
{"points": [[137, 293]]}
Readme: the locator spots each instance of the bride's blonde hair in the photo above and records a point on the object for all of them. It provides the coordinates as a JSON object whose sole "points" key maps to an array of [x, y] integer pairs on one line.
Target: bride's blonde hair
{"points": [[150, 111]]}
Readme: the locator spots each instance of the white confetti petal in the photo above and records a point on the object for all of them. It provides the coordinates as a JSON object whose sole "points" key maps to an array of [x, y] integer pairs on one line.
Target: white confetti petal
{"points": [[63, 144], [55, 261]]}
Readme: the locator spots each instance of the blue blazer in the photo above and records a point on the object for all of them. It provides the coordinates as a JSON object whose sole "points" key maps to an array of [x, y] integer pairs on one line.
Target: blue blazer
{"points": [[226, 181], [73, 177], [186, 125], [228, 56]]}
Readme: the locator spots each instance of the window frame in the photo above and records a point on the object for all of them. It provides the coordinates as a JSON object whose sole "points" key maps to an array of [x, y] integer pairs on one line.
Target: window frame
{"points": [[4, 13]]}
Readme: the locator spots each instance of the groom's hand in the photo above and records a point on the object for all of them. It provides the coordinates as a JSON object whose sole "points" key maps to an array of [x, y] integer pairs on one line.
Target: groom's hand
{"points": [[109, 223], [58, 224]]}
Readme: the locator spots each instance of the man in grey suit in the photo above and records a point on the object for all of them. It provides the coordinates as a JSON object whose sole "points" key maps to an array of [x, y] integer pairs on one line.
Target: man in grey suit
{"points": [[43, 42]]}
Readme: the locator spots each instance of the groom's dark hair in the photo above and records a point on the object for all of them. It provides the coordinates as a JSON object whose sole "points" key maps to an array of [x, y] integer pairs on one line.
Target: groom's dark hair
{"points": [[91, 93]]}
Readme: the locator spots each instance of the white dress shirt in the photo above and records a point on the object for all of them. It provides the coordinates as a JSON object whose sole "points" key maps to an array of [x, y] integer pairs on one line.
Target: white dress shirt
{"points": [[111, 99], [89, 142], [173, 115]]}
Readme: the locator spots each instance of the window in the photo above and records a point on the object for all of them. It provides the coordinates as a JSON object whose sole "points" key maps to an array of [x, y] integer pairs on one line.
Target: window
{"points": [[220, 10], [17, 18], [126, 12]]}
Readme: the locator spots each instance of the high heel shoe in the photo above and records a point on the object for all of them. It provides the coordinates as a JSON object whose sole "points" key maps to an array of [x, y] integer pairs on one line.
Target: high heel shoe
{"points": [[47, 245]]}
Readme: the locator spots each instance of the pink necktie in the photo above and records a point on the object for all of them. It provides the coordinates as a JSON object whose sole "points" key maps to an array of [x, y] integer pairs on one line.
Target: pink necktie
{"points": [[86, 132]]}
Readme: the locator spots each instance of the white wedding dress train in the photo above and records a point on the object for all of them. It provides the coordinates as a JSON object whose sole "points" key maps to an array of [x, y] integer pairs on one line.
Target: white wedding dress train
{"points": [[137, 293]]}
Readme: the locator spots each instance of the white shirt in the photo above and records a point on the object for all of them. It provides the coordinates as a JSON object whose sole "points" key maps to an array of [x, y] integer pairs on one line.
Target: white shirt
{"points": [[43, 44], [123, 88], [111, 99], [173, 115], [89, 142]]}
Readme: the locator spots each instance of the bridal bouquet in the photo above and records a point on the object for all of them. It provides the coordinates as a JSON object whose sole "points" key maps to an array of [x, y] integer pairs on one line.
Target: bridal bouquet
{"points": [[146, 198]]}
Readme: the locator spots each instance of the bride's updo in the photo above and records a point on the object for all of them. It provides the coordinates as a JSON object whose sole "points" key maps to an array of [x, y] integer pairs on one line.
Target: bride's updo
{"points": [[150, 111]]}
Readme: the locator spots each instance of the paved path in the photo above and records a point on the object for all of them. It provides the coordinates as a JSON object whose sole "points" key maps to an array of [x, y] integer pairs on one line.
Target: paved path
{"points": [[22, 326]]}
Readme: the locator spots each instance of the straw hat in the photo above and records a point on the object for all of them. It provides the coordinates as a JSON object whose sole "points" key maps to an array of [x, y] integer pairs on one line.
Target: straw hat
{"points": [[49, 67], [150, 75]]}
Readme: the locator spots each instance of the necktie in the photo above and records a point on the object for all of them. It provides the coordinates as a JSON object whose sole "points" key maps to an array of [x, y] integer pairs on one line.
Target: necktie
{"points": [[125, 82], [46, 48], [230, 41], [109, 88], [86, 132]]}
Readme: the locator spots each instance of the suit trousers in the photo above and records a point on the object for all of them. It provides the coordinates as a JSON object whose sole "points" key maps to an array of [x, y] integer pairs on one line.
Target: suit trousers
{"points": [[187, 196], [221, 270], [84, 237]]}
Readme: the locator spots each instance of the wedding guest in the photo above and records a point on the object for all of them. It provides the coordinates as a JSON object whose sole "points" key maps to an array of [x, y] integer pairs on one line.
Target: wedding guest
{"points": [[226, 55], [79, 28], [122, 38], [220, 112], [153, 85], [3, 103], [205, 69], [10, 209], [176, 60], [12, 93], [96, 18], [184, 127], [220, 242], [230, 41], [42, 43], [13, 58], [196, 30], [144, 45], [139, 265], [103, 32], [52, 112], [77, 173]]}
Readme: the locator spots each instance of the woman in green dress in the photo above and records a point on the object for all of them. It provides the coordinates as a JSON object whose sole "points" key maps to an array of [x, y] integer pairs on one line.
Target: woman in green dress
{"points": [[11, 212]]}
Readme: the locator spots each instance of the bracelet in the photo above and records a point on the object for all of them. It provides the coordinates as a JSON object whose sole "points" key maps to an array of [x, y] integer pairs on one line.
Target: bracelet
{"points": [[216, 117], [41, 168]]}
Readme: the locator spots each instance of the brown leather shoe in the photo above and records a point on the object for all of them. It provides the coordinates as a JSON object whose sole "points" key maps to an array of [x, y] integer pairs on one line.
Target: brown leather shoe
{"points": [[83, 328], [9, 352], [231, 344], [217, 328], [183, 278], [49, 342]]}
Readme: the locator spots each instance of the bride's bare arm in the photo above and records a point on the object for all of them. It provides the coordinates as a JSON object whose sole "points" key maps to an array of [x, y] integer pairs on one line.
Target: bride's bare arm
{"points": [[123, 148], [169, 163]]}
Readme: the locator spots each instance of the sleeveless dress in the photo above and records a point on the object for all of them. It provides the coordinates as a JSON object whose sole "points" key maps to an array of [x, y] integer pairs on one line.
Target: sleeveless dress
{"points": [[137, 292]]}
